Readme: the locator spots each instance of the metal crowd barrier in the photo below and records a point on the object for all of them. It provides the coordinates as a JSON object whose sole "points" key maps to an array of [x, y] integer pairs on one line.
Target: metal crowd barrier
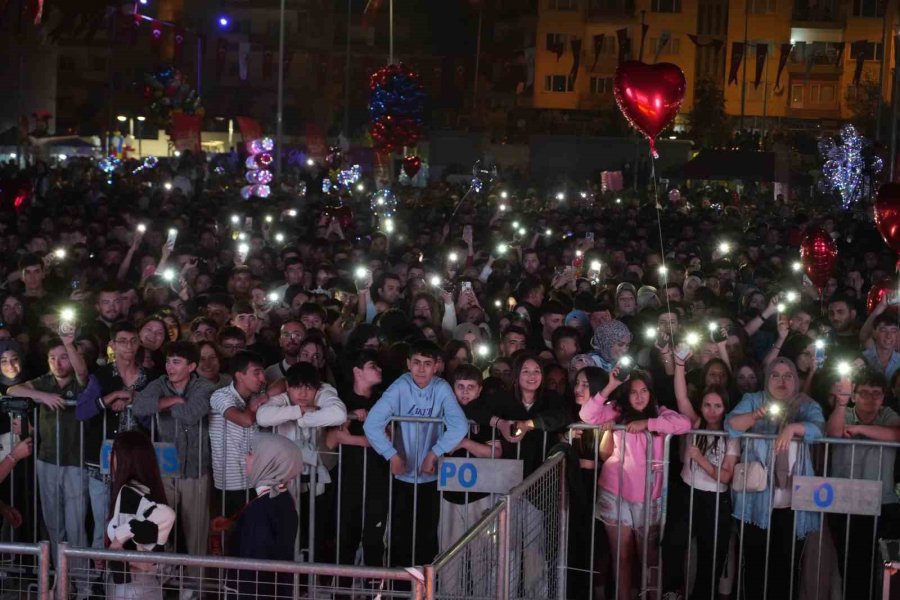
{"points": [[149, 575], [516, 551]]}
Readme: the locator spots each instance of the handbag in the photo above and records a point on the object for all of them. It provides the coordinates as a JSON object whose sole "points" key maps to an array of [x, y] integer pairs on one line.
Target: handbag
{"points": [[750, 476]]}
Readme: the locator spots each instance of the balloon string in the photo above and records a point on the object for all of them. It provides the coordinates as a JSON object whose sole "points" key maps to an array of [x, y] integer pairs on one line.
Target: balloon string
{"points": [[461, 200], [662, 246]]}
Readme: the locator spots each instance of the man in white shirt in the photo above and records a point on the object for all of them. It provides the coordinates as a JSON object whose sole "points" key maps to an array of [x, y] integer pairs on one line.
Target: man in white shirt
{"points": [[292, 333]]}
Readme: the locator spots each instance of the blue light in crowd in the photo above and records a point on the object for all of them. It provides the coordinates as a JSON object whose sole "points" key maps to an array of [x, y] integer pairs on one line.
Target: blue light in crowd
{"points": [[224, 21]]}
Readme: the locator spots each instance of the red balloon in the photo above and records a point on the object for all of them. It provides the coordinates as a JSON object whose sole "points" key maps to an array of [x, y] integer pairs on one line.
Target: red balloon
{"points": [[887, 214], [344, 215], [818, 253], [649, 95], [411, 165], [877, 292]]}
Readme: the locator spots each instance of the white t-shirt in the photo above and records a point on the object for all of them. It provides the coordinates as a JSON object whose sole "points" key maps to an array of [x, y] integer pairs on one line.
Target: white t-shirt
{"points": [[229, 442], [716, 450]]}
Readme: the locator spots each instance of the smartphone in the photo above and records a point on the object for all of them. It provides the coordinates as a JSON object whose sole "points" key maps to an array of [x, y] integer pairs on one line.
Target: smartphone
{"points": [[248, 223], [467, 232], [466, 286], [716, 334], [681, 351], [589, 237], [170, 241], [893, 298], [820, 354], [625, 365]]}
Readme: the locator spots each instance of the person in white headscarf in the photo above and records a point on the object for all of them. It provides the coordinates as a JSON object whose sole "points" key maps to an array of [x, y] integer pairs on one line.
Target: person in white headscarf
{"points": [[267, 525]]}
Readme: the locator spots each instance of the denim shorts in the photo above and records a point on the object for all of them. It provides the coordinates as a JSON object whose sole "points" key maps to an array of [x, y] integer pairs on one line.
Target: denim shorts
{"points": [[615, 511]]}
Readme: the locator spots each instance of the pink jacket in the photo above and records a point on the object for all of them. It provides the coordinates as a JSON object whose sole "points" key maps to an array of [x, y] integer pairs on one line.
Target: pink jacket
{"points": [[597, 412]]}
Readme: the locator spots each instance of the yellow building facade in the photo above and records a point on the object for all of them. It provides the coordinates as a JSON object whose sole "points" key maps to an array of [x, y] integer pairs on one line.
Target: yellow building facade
{"points": [[827, 35]]}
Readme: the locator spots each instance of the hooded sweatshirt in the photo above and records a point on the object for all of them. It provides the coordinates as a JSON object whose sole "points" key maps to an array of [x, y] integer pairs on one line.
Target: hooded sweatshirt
{"points": [[413, 440]]}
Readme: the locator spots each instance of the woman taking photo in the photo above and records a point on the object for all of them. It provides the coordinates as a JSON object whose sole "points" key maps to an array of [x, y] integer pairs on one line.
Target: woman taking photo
{"points": [[139, 519], [782, 410], [623, 509], [707, 467]]}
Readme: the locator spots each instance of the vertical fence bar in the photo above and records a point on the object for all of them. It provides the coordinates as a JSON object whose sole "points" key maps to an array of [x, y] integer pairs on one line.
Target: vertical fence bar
{"points": [[44, 571], [503, 563], [563, 532], [62, 571]]}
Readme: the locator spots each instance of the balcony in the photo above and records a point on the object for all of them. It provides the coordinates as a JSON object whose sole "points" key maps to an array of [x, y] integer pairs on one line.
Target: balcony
{"points": [[828, 15], [606, 10]]}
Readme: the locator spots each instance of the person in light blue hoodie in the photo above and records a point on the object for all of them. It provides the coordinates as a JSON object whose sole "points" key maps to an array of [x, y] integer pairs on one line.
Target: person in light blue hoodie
{"points": [[415, 450]]}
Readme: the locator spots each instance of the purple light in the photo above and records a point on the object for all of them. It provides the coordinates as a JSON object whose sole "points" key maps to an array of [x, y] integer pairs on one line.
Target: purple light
{"points": [[144, 2], [223, 21]]}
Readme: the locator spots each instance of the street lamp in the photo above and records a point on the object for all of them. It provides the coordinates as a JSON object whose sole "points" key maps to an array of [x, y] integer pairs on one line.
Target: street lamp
{"points": [[140, 135]]}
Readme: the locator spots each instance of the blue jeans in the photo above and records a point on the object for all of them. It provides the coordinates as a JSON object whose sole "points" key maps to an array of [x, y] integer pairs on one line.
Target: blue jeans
{"points": [[64, 492]]}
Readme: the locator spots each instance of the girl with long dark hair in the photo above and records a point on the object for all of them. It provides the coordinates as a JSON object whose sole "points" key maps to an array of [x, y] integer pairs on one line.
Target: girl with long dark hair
{"points": [[139, 519], [622, 506]]}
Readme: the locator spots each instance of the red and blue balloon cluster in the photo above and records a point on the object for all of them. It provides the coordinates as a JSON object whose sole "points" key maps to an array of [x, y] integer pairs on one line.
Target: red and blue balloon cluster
{"points": [[168, 91], [397, 107]]}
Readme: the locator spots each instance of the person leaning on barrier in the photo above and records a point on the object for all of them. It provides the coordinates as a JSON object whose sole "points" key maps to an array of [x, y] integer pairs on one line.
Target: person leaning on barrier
{"points": [[415, 450], [20, 451], [784, 410], [362, 473], [623, 509], [528, 414], [866, 419], [178, 403], [460, 510]]}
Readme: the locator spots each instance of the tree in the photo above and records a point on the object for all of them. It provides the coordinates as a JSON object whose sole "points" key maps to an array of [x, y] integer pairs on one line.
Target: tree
{"points": [[862, 101], [709, 123]]}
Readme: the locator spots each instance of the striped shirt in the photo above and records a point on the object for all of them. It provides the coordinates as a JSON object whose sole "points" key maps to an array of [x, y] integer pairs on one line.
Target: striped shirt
{"points": [[230, 443]]}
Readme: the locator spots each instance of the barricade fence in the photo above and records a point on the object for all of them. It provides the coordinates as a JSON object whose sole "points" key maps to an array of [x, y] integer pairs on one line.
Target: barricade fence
{"points": [[351, 518]]}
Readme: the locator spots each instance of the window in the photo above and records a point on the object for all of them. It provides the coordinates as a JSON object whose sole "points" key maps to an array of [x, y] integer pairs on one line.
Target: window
{"points": [[666, 6], [555, 40], [761, 7], [816, 95], [601, 85], [870, 50], [797, 95], [562, 4], [868, 8], [672, 48], [558, 83]]}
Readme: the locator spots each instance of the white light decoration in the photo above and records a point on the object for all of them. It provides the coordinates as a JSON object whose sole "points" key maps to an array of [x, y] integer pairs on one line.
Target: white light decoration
{"points": [[849, 166]]}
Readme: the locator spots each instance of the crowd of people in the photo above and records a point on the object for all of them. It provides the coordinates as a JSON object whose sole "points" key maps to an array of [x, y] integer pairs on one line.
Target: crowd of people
{"points": [[157, 302]]}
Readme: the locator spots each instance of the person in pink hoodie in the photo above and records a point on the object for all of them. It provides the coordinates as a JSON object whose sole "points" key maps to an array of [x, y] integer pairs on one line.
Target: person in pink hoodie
{"points": [[622, 494]]}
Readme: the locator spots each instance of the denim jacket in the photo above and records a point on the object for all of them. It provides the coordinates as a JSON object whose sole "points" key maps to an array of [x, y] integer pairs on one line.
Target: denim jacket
{"points": [[754, 507]]}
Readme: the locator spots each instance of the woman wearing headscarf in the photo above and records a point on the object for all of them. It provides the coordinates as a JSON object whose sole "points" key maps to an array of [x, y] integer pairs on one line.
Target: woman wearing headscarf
{"points": [[782, 410], [610, 342], [267, 525]]}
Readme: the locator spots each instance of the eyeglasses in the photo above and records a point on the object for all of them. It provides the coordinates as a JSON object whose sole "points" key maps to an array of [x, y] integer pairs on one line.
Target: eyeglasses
{"points": [[782, 376], [128, 342], [870, 394], [294, 335]]}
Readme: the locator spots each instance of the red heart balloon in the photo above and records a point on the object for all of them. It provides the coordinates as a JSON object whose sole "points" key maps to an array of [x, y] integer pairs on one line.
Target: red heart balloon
{"points": [[818, 253], [411, 165], [649, 95], [887, 214], [877, 292]]}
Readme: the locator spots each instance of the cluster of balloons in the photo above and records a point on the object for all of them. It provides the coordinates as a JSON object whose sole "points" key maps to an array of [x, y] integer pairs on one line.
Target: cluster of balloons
{"points": [[167, 91], [258, 175], [397, 107]]}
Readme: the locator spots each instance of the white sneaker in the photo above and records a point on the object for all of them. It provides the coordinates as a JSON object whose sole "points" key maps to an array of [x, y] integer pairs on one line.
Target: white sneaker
{"points": [[189, 595]]}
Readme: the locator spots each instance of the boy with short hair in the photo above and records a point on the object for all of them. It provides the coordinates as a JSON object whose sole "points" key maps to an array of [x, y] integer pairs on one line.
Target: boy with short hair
{"points": [[415, 450], [460, 510]]}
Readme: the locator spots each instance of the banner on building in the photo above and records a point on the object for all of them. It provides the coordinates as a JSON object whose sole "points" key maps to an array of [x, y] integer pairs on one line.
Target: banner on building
{"points": [[576, 61], [185, 132], [598, 49], [784, 54], [624, 44], [761, 51]]}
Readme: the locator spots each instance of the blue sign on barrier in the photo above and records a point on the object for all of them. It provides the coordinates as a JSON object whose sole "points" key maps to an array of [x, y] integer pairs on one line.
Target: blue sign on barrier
{"points": [[836, 495], [166, 456], [486, 475]]}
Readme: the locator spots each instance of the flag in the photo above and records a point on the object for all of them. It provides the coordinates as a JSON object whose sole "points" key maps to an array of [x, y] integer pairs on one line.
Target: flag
{"points": [[784, 53], [250, 128], [267, 64], [624, 43], [178, 48], [664, 38], [529, 55], [598, 48], [221, 53], [370, 13], [858, 49], [644, 28], [186, 132], [761, 51], [737, 55], [558, 48], [839, 46], [243, 60], [156, 35], [576, 61]]}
